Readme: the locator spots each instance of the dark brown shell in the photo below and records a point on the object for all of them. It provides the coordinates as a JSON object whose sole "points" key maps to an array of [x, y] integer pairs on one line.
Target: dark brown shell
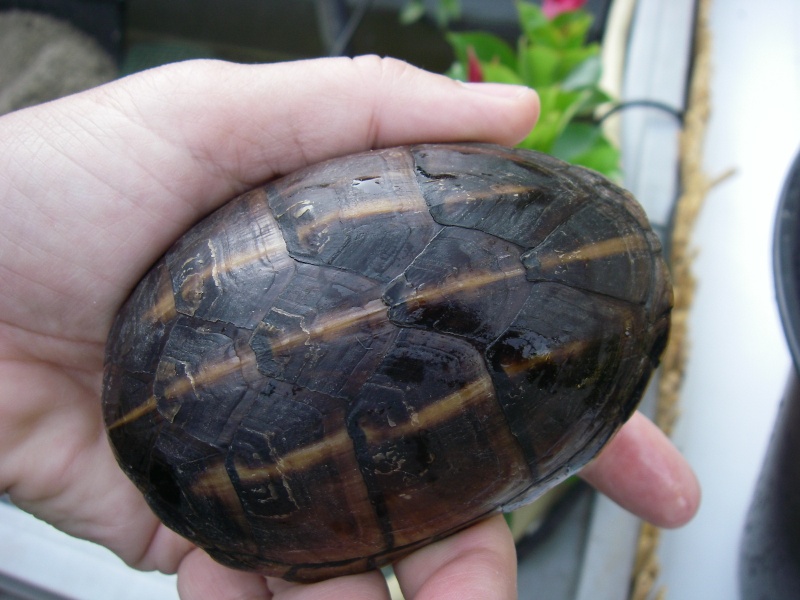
{"points": [[371, 353]]}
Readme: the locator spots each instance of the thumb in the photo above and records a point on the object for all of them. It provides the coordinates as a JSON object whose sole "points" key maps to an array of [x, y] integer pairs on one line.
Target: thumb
{"points": [[141, 159], [255, 122]]}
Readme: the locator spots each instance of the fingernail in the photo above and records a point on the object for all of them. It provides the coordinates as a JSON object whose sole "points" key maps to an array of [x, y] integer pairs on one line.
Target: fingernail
{"points": [[498, 90]]}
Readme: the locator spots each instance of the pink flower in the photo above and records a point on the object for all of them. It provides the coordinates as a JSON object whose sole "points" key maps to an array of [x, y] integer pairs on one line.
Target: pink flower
{"points": [[474, 70], [553, 8]]}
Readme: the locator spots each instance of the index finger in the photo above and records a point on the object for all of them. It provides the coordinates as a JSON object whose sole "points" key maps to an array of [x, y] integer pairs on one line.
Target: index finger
{"points": [[642, 471]]}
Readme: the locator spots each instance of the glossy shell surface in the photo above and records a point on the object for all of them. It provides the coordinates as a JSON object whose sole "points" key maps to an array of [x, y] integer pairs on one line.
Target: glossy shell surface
{"points": [[367, 355]]}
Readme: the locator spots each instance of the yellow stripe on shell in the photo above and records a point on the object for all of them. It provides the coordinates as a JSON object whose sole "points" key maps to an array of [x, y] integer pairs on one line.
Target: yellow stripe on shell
{"points": [[465, 284], [207, 374], [147, 406], [334, 443], [337, 323], [273, 248], [328, 326], [555, 355], [163, 309], [594, 251], [492, 191], [339, 442], [354, 212], [436, 412]]}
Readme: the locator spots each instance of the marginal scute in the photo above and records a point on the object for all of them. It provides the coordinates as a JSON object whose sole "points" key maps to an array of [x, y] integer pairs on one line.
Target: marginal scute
{"points": [[348, 363], [557, 373]]}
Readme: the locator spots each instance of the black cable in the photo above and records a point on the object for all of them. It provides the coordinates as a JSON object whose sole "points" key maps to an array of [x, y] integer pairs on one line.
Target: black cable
{"points": [[662, 106]]}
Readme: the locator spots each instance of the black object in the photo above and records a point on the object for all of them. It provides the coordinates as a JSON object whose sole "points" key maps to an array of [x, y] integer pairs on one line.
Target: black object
{"points": [[373, 352], [770, 552], [787, 260]]}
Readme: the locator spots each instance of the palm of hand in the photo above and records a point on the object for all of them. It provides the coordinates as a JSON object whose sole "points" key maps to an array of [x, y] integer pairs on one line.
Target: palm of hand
{"points": [[97, 188], [79, 233]]}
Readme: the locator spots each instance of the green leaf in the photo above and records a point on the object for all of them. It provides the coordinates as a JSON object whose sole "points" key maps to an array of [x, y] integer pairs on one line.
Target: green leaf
{"points": [[489, 48], [573, 27], [412, 12], [568, 30], [549, 125], [594, 98], [539, 66], [603, 157], [492, 72], [498, 73], [552, 57], [443, 12], [446, 11], [585, 74], [558, 108], [572, 58], [543, 66], [584, 144], [533, 22], [570, 104], [543, 136], [575, 139]]}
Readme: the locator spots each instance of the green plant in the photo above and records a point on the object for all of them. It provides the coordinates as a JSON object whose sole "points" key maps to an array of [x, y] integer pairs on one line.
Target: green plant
{"points": [[443, 11], [553, 57]]}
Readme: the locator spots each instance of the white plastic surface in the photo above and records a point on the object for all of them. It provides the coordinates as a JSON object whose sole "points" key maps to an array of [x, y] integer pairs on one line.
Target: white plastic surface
{"points": [[659, 52], [44, 558], [739, 362]]}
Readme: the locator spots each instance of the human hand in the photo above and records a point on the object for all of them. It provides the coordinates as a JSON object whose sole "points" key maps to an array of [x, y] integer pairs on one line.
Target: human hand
{"points": [[94, 189]]}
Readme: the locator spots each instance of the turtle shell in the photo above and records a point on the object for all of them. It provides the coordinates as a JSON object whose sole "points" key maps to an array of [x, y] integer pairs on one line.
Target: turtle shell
{"points": [[373, 352]]}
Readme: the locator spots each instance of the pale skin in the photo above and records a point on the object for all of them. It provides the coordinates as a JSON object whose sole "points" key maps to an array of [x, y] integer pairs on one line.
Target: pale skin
{"points": [[95, 187]]}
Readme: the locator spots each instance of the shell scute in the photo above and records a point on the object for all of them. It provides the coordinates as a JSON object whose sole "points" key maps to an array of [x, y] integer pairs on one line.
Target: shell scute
{"points": [[371, 353]]}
